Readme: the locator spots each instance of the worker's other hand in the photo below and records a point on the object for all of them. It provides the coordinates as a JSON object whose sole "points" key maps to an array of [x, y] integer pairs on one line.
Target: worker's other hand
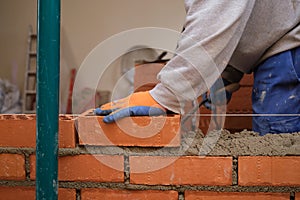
{"points": [[220, 93], [136, 104]]}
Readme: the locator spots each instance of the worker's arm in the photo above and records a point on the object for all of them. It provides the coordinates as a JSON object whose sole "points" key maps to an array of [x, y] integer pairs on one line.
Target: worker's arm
{"points": [[212, 32]]}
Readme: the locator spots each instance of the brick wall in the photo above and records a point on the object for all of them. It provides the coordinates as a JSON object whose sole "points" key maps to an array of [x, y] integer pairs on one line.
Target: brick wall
{"points": [[103, 162]]}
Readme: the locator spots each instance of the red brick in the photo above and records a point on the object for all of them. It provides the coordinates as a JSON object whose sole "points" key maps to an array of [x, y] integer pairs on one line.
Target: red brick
{"points": [[188, 170], [107, 194], [263, 170], [66, 194], [247, 80], [145, 76], [241, 101], [135, 131], [146, 87], [66, 132], [20, 131], [101, 168], [12, 167], [28, 193], [297, 196], [13, 193], [17, 131], [195, 195], [232, 123], [238, 123]]}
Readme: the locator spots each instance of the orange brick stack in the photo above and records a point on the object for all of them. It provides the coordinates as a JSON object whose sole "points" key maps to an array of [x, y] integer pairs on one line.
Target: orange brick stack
{"points": [[92, 169]]}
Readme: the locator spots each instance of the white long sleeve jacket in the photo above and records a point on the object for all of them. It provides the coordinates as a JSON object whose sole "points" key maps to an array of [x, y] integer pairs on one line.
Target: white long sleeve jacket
{"points": [[240, 33]]}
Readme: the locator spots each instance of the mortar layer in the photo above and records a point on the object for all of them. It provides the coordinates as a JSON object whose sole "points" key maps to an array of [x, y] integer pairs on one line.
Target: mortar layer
{"points": [[224, 143], [216, 143]]}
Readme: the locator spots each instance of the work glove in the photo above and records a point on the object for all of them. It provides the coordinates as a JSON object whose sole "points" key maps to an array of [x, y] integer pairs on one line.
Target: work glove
{"points": [[220, 93], [136, 104]]}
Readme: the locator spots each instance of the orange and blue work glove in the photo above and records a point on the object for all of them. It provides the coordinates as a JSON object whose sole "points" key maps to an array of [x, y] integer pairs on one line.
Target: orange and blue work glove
{"points": [[136, 104]]}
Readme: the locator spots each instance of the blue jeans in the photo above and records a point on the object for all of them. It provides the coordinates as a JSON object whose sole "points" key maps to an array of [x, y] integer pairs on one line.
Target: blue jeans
{"points": [[276, 94]]}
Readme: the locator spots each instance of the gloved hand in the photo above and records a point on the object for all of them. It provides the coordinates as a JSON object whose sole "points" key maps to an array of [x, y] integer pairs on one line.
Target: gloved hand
{"points": [[220, 93], [136, 104]]}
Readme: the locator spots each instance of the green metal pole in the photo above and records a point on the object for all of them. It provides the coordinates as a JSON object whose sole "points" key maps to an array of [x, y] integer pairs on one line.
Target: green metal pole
{"points": [[48, 60]]}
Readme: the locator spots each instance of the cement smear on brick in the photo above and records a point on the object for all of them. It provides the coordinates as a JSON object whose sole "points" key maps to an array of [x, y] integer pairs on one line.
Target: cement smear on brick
{"points": [[241, 144]]}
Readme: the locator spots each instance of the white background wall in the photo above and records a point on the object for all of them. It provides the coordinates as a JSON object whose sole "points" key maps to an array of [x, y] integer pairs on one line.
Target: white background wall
{"points": [[84, 24]]}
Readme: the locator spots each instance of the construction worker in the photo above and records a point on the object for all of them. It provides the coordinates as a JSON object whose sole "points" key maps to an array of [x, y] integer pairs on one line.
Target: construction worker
{"points": [[259, 36]]}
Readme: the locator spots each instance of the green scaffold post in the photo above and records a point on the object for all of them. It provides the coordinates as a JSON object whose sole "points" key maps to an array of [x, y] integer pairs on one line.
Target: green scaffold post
{"points": [[48, 75]]}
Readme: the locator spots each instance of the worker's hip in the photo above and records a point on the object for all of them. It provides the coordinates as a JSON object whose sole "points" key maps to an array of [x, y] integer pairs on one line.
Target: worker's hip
{"points": [[276, 94]]}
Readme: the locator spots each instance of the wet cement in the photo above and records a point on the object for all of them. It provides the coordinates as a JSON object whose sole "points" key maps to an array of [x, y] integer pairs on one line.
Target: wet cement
{"points": [[224, 143]]}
